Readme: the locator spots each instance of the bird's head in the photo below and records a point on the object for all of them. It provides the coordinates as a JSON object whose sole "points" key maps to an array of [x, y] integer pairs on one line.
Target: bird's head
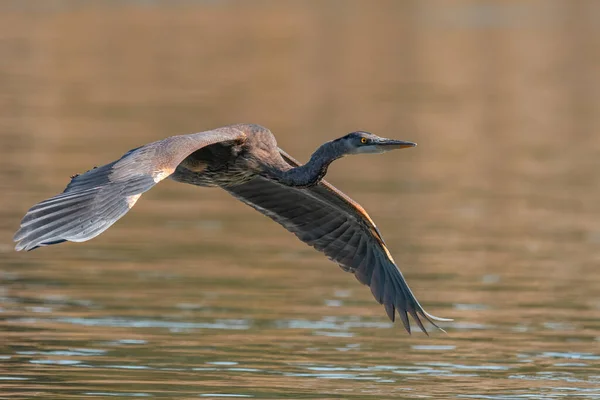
{"points": [[364, 142]]}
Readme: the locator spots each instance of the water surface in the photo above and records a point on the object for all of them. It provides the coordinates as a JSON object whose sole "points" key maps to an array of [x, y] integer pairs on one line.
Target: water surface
{"points": [[493, 218]]}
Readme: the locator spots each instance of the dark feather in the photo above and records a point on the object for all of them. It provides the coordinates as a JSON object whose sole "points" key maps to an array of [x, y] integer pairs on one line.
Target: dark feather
{"points": [[342, 230], [404, 319]]}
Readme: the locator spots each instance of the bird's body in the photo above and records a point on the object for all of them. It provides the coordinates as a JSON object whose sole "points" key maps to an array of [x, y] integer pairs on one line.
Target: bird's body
{"points": [[233, 162], [245, 161]]}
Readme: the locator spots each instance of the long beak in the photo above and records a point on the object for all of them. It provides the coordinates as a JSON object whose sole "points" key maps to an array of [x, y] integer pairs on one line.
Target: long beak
{"points": [[391, 144]]}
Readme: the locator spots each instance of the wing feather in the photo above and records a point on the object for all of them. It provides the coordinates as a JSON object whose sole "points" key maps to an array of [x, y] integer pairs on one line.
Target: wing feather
{"points": [[95, 200], [328, 220]]}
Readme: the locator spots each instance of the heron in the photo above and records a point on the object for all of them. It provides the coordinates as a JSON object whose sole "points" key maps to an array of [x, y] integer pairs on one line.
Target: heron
{"points": [[245, 161]]}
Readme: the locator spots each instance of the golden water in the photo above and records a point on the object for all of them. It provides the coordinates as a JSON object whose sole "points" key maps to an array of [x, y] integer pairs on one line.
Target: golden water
{"points": [[494, 218]]}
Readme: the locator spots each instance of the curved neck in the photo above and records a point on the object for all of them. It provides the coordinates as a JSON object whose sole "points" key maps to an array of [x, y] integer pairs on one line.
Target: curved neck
{"points": [[314, 170]]}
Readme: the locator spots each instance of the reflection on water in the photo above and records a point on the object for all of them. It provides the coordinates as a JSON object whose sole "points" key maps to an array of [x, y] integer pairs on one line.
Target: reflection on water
{"points": [[493, 218]]}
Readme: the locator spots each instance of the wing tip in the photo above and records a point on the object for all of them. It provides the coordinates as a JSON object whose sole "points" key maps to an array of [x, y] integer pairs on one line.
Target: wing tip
{"points": [[439, 319], [403, 314], [430, 318], [19, 239], [24, 245]]}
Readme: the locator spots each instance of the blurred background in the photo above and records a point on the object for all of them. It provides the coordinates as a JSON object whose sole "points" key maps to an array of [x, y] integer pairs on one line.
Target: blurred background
{"points": [[493, 218]]}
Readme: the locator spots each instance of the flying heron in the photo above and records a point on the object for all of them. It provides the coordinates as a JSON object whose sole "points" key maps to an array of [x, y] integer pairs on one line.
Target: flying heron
{"points": [[245, 161]]}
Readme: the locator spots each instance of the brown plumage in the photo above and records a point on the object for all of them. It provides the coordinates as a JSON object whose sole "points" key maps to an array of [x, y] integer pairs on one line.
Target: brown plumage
{"points": [[245, 161]]}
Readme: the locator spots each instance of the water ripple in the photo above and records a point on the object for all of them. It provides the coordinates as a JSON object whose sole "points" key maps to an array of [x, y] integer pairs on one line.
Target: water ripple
{"points": [[227, 324]]}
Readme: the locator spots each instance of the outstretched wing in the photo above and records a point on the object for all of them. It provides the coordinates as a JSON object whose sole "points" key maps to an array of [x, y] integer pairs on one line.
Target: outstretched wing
{"points": [[95, 200], [334, 224]]}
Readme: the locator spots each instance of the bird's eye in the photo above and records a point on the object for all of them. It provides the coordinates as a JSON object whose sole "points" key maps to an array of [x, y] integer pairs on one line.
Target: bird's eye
{"points": [[363, 140]]}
